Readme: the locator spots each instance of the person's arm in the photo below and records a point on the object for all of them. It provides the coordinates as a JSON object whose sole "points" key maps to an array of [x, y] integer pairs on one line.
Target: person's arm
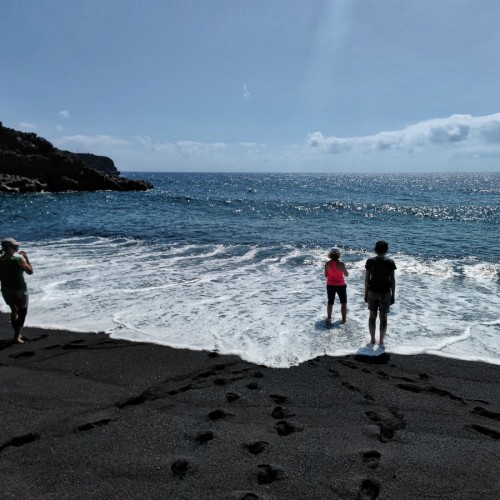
{"points": [[25, 262], [367, 281], [343, 268], [327, 268], [392, 278]]}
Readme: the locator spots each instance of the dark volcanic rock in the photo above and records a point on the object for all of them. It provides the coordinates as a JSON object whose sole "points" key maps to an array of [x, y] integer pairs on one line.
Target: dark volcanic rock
{"points": [[100, 163], [29, 163]]}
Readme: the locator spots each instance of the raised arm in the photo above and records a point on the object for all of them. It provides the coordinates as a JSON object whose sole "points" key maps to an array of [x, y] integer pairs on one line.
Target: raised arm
{"points": [[25, 262]]}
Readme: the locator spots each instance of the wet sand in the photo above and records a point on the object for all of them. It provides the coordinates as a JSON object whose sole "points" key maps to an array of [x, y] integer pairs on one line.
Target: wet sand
{"points": [[85, 416]]}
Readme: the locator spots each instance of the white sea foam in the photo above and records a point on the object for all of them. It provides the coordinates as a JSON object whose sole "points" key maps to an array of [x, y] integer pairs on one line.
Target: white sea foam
{"points": [[265, 304]]}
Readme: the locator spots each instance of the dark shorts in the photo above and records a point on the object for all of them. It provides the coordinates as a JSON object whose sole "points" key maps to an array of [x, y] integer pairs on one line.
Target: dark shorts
{"points": [[331, 290], [15, 298], [380, 301]]}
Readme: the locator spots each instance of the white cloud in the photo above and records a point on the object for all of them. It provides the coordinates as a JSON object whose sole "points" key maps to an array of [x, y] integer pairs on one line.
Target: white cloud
{"points": [[181, 148], [190, 148], [464, 130], [96, 141], [457, 143], [64, 114], [246, 92], [27, 126]]}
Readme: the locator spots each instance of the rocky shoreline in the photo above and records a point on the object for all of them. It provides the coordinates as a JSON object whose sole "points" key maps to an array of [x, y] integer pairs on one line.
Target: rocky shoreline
{"points": [[31, 164]]}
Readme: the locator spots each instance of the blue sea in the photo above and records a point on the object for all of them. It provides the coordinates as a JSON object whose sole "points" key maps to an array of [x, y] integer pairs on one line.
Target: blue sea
{"points": [[234, 262]]}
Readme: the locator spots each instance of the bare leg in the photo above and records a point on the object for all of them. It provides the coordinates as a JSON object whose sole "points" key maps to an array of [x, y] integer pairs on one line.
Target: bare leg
{"points": [[17, 317], [372, 324], [329, 308], [343, 309], [13, 315], [383, 327], [14, 320]]}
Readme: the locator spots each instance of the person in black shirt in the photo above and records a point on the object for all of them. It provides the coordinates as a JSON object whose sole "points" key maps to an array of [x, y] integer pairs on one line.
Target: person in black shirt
{"points": [[380, 288], [14, 289]]}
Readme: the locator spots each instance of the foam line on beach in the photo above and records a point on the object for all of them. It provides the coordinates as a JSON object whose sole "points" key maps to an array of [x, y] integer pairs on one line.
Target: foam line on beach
{"points": [[266, 303]]}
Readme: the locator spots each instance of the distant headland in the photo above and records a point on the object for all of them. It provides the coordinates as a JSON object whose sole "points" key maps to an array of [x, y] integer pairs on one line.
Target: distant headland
{"points": [[30, 164]]}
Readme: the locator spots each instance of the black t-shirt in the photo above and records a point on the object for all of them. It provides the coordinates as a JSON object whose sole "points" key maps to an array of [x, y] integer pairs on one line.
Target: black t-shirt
{"points": [[380, 271]]}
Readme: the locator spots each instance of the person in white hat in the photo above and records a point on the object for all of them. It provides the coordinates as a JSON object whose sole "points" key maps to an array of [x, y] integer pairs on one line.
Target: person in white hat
{"points": [[335, 271], [14, 289]]}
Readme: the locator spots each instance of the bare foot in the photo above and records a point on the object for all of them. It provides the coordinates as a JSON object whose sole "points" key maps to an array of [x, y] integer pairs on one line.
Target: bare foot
{"points": [[20, 340]]}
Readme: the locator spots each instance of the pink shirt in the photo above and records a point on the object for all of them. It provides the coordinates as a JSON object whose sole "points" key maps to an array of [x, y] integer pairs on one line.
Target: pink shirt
{"points": [[335, 276]]}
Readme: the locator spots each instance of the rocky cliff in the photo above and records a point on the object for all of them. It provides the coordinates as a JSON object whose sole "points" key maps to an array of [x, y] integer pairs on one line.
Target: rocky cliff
{"points": [[29, 163], [100, 163]]}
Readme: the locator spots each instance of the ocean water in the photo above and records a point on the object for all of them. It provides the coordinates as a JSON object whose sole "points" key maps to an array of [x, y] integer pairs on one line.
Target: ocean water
{"points": [[234, 262]]}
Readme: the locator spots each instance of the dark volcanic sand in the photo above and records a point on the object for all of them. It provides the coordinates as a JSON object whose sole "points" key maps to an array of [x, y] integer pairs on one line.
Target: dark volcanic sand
{"points": [[84, 416]]}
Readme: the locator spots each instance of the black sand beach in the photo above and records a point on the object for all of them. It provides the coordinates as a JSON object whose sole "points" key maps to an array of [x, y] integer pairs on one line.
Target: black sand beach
{"points": [[84, 417]]}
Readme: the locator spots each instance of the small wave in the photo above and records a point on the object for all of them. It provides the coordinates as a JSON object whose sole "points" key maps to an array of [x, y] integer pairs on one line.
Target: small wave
{"points": [[263, 302]]}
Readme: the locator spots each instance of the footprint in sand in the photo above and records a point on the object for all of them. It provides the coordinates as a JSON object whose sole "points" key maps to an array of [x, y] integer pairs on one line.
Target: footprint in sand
{"points": [[205, 374], [371, 459], [350, 387], [135, 400], [21, 440], [369, 399], [93, 425], [55, 346], [349, 364], [284, 428], [280, 413], [279, 399], [219, 414], [483, 412], [369, 490], [204, 437], [185, 388], [75, 344], [180, 468], [372, 416], [429, 390], [24, 354], [232, 396], [256, 448], [485, 431], [268, 474], [221, 381], [387, 433], [388, 427]]}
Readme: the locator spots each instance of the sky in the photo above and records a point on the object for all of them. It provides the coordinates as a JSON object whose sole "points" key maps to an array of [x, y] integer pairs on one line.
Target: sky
{"points": [[258, 85]]}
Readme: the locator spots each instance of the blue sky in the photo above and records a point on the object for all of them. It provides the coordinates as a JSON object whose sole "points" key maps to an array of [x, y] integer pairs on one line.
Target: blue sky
{"points": [[258, 85]]}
